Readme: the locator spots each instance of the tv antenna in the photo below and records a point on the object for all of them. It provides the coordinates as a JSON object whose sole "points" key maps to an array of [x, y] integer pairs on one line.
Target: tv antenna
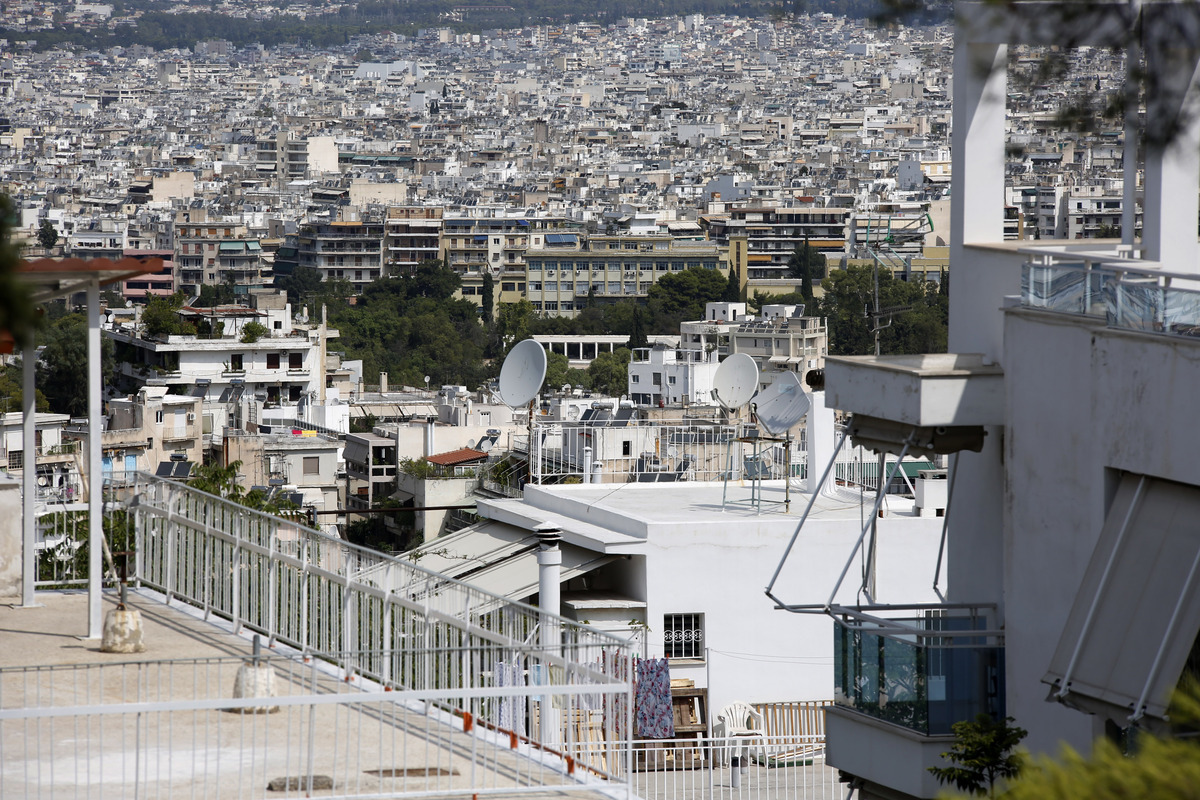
{"points": [[521, 378], [778, 409]]}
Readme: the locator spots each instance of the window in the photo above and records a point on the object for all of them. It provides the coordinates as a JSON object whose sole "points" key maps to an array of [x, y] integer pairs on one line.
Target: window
{"points": [[635, 378], [312, 465], [158, 416], [683, 635], [235, 362], [272, 360], [295, 360], [657, 379], [626, 448], [671, 380]]}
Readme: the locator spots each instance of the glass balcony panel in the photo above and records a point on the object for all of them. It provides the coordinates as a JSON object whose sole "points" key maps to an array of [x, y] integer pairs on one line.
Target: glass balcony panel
{"points": [[925, 684]]}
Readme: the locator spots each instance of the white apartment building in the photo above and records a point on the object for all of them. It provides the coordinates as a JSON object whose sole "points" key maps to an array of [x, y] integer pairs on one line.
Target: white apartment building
{"points": [[1066, 406]]}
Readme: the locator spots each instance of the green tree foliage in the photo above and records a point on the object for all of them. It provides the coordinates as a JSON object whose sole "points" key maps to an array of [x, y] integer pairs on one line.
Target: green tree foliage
{"points": [[60, 372], [733, 286], [412, 326], [1161, 767], [47, 234], [982, 754], [680, 296], [218, 295], [253, 331], [223, 482], [559, 373], [489, 297], [18, 315], [161, 317], [849, 294], [637, 336], [11, 392], [609, 372], [803, 262], [302, 285]]}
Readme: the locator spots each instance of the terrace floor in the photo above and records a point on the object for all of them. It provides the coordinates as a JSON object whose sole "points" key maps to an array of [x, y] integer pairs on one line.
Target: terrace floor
{"points": [[175, 749]]}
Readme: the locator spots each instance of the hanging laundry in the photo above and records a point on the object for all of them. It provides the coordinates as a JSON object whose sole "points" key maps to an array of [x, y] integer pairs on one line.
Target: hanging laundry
{"points": [[654, 715]]}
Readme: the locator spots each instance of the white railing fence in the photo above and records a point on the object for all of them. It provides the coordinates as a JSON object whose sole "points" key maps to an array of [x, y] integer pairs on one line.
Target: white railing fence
{"points": [[776, 767], [175, 729]]}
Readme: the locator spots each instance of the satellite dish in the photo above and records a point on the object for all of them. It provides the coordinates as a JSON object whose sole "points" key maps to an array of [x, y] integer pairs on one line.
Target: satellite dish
{"points": [[782, 404], [471, 443], [522, 374], [672, 451], [735, 381], [485, 445]]}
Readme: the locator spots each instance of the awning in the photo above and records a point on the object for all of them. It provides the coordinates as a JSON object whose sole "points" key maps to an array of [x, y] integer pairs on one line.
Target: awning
{"points": [[502, 559], [1137, 611]]}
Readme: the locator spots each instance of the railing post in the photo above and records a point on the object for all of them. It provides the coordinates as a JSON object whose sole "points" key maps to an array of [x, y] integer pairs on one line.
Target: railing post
{"points": [[236, 582], [305, 544], [272, 587]]}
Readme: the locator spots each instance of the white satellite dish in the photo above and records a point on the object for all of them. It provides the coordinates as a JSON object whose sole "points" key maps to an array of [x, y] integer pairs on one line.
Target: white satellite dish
{"points": [[471, 443], [782, 404], [735, 381], [522, 374], [485, 445]]}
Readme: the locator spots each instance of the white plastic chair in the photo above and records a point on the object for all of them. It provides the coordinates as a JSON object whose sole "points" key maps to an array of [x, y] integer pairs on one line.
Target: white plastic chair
{"points": [[739, 725]]}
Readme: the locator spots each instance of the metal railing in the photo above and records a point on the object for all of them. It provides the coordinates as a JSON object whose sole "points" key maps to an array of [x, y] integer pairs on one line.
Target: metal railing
{"points": [[321, 595], [189, 728], [649, 451], [775, 767]]}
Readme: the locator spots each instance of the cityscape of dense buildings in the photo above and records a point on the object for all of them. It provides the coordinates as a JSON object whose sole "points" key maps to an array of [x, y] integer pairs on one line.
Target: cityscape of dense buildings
{"points": [[1007, 516]]}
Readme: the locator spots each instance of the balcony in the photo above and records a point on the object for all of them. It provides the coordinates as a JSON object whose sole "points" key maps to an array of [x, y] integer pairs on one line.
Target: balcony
{"points": [[901, 683], [1124, 293]]}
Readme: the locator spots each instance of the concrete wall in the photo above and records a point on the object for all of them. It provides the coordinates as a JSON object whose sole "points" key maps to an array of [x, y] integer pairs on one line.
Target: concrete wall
{"points": [[1093, 401]]}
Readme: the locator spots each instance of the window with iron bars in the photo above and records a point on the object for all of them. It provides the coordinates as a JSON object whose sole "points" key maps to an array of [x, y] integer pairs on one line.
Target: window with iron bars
{"points": [[683, 635]]}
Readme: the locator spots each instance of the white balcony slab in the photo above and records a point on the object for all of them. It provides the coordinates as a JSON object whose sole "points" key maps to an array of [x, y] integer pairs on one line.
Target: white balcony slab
{"points": [[931, 390]]}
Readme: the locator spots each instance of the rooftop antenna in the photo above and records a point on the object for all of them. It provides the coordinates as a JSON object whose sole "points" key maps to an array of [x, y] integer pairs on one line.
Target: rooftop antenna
{"points": [[779, 407], [521, 378], [734, 383]]}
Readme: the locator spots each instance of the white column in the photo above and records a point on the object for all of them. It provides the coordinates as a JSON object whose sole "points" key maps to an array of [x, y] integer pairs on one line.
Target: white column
{"points": [[95, 476], [549, 560], [820, 438], [28, 473], [977, 157], [1173, 160]]}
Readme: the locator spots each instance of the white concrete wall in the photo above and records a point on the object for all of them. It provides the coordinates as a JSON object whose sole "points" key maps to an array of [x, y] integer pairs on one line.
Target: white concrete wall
{"points": [[1092, 401]]}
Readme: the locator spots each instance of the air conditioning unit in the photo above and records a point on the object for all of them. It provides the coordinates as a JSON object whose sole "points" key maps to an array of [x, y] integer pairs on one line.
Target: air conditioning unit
{"points": [[191, 417]]}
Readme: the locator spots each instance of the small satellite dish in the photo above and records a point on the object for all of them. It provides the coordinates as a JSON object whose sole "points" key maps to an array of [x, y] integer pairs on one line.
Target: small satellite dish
{"points": [[735, 381], [485, 445], [471, 443], [522, 374], [672, 451], [782, 404]]}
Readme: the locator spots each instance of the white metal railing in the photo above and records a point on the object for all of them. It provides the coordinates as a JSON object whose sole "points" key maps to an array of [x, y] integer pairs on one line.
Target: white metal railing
{"points": [[176, 729], [654, 451], [775, 767], [323, 596]]}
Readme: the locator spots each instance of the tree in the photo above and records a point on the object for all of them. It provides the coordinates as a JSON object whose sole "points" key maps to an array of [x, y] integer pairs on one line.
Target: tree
{"points": [[801, 265], [47, 234], [982, 754], [1160, 767], [680, 296], [58, 372], [304, 282], [489, 297], [733, 289], [253, 331], [161, 317], [637, 337], [18, 315], [609, 372]]}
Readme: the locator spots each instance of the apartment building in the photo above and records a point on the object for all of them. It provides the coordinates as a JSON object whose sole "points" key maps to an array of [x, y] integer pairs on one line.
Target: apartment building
{"points": [[1071, 603], [569, 270], [411, 235], [772, 234], [288, 156], [214, 252], [345, 249]]}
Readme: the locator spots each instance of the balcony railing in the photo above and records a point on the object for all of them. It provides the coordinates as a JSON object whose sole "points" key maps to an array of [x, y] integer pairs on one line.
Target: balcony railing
{"points": [[1126, 293], [923, 672]]}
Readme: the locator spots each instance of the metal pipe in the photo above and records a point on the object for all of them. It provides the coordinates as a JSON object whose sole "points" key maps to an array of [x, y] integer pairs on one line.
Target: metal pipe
{"points": [[28, 475], [95, 476]]}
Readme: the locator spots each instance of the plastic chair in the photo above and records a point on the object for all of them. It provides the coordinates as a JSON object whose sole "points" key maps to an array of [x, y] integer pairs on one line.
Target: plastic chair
{"points": [[738, 725]]}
